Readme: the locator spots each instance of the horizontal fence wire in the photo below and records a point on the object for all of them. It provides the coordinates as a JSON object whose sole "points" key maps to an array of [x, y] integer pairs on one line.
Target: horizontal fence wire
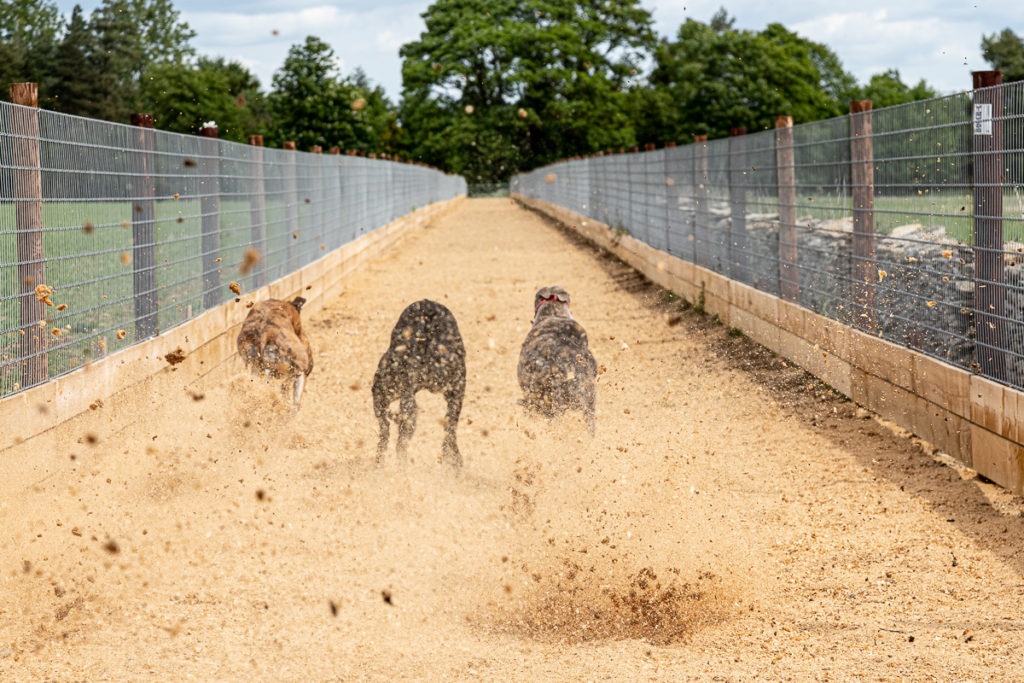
{"points": [[906, 222], [111, 234]]}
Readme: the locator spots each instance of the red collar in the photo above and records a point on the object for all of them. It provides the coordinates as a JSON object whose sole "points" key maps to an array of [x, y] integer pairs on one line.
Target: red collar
{"points": [[553, 297]]}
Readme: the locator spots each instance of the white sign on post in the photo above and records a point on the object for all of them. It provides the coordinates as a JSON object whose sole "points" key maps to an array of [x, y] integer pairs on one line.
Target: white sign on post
{"points": [[983, 119]]}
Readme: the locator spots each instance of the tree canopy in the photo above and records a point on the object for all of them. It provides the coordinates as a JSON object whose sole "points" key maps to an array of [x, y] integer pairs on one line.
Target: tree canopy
{"points": [[29, 34], [887, 89], [182, 97], [714, 77], [90, 67], [492, 85], [312, 104], [1005, 51]]}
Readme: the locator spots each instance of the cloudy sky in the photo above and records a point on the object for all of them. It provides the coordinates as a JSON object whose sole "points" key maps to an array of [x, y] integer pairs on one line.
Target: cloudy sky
{"points": [[937, 40]]}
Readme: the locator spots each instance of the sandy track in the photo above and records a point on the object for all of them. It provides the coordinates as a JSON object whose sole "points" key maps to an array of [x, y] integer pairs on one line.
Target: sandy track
{"points": [[719, 524]]}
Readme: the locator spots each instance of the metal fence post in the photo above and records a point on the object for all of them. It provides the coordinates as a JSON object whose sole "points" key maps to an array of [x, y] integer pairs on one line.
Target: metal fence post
{"points": [[210, 210], [338, 229], [700, 172], [863, 267], [789, 274], [671, 195], [291, 208], [314, 200], [28, 189], [144, 233], [737, 246], [989, 323], [258, 212], [650, 194]]}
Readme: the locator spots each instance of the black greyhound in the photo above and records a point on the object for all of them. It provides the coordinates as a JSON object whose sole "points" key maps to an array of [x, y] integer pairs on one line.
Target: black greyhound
{"points": [[426, 352]]}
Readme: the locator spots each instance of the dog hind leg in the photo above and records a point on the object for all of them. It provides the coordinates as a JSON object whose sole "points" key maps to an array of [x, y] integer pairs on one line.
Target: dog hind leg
{"points": [[590, 407], [380, 409], [406, 423], [450, 449], [300, 383]]}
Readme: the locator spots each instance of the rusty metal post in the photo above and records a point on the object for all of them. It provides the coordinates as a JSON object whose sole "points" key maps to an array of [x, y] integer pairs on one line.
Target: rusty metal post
{"points": [[738, 254], [700, 177], [863, 267], [28, 189], [315, 204], [671, 196], [785, 172], [144, 232], [989, 323], [209, 204], [333, 238], [291, 208], [258, 212]]}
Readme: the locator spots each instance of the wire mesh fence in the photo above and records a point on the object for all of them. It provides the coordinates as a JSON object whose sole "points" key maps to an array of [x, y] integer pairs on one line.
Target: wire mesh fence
{"points": [[906, 222], [111, 234]]}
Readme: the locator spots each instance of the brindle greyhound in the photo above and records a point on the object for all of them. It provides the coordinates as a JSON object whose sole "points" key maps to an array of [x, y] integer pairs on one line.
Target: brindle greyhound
{"points": [[272, 343], [556, 370], [426, 352]]}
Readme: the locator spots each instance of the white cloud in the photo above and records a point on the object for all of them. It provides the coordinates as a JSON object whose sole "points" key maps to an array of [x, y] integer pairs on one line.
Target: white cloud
{"points": [[229, 28], [387, 40], [367, 37], [942, 52]]}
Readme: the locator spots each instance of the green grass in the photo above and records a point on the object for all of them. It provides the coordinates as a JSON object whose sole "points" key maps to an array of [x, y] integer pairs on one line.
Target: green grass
{"points": [[953, 210], [87, 268]]}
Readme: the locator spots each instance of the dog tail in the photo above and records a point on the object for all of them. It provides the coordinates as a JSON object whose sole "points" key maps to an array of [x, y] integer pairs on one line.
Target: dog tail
{"points": [[298, 302]]}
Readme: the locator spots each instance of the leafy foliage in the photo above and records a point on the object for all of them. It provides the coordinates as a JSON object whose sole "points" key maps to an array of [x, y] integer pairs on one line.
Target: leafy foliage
{"points": [[1005, 51], [130, 36], [312, 104], [714, 77], [184, 96], [89, 67], [29, 31], [887, 89], [489, 88], [76, 73], [492, 86]]}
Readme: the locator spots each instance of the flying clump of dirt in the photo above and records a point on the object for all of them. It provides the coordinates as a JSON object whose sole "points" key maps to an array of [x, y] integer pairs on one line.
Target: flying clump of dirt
{"points": [[176, 356], [575, 605]]}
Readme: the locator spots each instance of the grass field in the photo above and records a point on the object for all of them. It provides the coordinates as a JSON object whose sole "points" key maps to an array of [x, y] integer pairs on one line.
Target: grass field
{"points": [[952, 210], [89, 250], [88, 247]]}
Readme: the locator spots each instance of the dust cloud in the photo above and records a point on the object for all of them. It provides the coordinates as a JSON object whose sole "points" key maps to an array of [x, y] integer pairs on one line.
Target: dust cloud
{"points": [[196, 527]]}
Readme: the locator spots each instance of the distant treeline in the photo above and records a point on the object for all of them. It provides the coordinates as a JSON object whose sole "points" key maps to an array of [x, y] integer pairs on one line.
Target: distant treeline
{"points": [[491, 87]]}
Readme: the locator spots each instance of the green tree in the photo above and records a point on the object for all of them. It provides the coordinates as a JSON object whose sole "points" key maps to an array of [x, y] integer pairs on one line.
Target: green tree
{"points": [[887, 89], [29, 31], [308, 103], [131, 35], [312, 104], [714, 77], [76, 74], [1005, 51], [138, 33], [182, 97], [493, 86], [376, 127]]}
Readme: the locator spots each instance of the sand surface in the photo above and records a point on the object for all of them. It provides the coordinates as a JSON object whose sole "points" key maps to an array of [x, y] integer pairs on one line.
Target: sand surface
{"points": [[732, 518]]}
